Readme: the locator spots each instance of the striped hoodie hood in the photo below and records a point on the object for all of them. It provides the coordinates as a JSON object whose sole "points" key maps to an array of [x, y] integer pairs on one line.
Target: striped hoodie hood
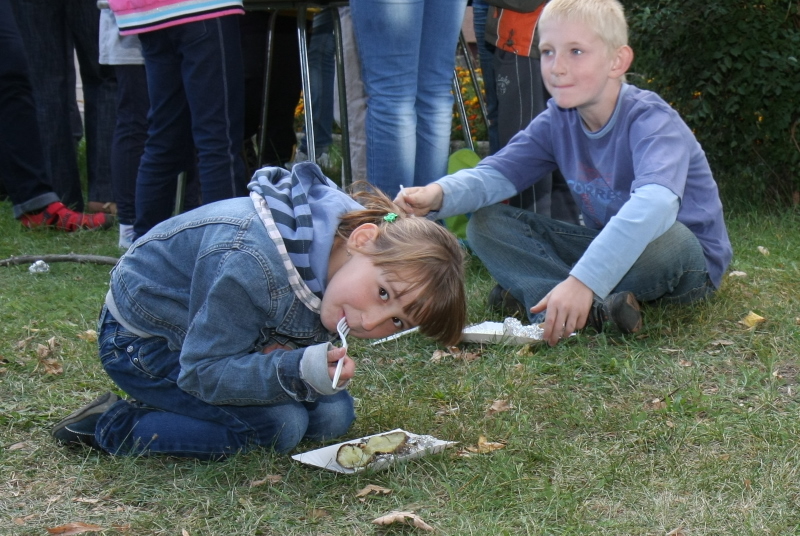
{"points": [[301, 211]]}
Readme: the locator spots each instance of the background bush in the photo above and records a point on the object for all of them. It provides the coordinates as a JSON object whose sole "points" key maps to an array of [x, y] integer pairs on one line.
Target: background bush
{"points": [[732, 69]]}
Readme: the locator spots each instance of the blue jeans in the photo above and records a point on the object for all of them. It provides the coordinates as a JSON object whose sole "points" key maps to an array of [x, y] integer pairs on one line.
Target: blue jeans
{"points": [[127, 147], [407, 50], [528, 255], [321, 67], [23, 174], [49, 29], [196, 85], [480, 10], [163, 419]]}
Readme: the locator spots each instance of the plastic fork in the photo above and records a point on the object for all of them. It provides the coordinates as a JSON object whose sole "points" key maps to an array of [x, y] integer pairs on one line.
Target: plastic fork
{"points": [[343, 330]]}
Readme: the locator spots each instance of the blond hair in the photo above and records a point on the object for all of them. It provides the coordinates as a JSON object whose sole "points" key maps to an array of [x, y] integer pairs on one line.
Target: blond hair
{"points": [[606, 17], [423, 251]]}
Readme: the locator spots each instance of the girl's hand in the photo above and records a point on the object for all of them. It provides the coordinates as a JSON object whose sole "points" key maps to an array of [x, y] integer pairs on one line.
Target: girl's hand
{"points": [[348, 367], [568, 306], [418, 201]]}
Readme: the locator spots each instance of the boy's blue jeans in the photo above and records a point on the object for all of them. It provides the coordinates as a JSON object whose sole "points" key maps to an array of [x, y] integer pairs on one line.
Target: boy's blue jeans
{"points": [[528, 255], [164, 419]]}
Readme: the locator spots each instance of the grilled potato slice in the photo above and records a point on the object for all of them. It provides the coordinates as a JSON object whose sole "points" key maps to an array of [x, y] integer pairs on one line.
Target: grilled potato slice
{"points": [[354, 455]]}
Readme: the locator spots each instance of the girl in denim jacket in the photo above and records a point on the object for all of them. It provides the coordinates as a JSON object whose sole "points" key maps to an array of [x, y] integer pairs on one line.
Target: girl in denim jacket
{"points": [[218, 322]]}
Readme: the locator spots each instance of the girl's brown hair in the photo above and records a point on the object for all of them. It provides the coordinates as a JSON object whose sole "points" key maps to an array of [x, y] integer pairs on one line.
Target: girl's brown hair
{"points": [[421, 250]]}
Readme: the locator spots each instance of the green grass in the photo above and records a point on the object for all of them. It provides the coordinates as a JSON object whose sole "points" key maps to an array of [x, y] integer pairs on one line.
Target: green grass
{"points": [[691, 424]]}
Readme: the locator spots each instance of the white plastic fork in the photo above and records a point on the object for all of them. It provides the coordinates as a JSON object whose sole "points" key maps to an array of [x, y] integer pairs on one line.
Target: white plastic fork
{"points": [[343, 330]]}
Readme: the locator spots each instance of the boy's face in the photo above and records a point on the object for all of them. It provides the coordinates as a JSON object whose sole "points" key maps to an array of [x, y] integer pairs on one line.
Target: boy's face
{"points": [[578, 69], [367, 297]]}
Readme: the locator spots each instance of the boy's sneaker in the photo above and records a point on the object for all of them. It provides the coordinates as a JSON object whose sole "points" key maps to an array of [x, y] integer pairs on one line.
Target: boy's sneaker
{"points": [[501, 301], [58, 216], [78, 428], [621, 309]]}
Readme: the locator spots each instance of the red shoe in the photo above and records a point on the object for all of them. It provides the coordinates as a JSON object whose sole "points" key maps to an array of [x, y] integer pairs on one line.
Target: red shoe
{"points": [[58, 216]]}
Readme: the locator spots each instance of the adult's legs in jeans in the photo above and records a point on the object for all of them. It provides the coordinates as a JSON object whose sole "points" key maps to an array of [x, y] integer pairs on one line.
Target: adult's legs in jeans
{"points": [[167, 420], [21, 168], [388, 36], [480, 10], [99, 92], [528, 255], [213, 78], [404, 44], [441, 26], [169, 124], [130, 136], [50, 59], [194, 94]]}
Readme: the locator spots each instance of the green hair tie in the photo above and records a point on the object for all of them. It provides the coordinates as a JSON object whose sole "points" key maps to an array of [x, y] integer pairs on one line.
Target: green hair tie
{"points": [[390, 217]]}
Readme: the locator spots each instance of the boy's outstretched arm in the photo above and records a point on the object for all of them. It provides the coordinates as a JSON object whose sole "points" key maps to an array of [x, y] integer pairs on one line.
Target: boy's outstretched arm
{"points": [[420, 200], [568, 306]]}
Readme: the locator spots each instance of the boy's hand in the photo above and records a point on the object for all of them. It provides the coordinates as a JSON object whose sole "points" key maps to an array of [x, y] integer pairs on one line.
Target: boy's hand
{"points": [[348, 367], [568, 306], [418, 201]]}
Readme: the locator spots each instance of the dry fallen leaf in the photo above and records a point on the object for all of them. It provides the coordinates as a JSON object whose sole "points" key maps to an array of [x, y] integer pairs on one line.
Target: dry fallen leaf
{"points": [[455, 352], [752, 320], [764, 251], [24, 342], [685, 363], [52, 366], [43, 351], [372, 489], [269, 479], [499, 406], [722, 342], [485, 446], [438, 355], [184, 532], [89, 335], [76, 527], [317, 513], [737, 273], [676, 532], [407, 518]]}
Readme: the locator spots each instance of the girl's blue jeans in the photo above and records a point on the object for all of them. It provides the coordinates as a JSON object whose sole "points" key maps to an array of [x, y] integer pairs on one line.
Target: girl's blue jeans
{"points": [[163, 419], [528, 255]]}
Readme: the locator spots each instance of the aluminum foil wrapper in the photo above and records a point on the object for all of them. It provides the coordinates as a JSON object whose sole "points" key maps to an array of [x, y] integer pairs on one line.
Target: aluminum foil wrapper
{"points": [[39, 267], [513, 327]]}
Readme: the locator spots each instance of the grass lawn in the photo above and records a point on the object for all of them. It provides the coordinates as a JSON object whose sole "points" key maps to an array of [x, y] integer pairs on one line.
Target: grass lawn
{"points": [[690, 427]]}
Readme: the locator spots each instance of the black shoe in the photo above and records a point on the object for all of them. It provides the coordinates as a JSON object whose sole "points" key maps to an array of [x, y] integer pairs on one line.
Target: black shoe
{"points": [[78, 427], [621, 309], [501, 301]]}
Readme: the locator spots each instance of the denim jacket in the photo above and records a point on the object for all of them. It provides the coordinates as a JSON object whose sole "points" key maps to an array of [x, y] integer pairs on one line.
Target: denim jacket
{"points": [[213, 284]]}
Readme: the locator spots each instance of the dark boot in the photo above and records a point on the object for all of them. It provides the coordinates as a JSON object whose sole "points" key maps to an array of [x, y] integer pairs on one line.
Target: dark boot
{"points": [[501, 301], [621, 309]]}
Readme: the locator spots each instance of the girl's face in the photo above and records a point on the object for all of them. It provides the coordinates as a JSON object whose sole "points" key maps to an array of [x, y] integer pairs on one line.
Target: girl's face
{"points": [[368, 298]]}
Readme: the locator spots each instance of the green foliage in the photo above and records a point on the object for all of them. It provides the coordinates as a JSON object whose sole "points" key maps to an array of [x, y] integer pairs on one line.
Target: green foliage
{"points": [[732, 69]]}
